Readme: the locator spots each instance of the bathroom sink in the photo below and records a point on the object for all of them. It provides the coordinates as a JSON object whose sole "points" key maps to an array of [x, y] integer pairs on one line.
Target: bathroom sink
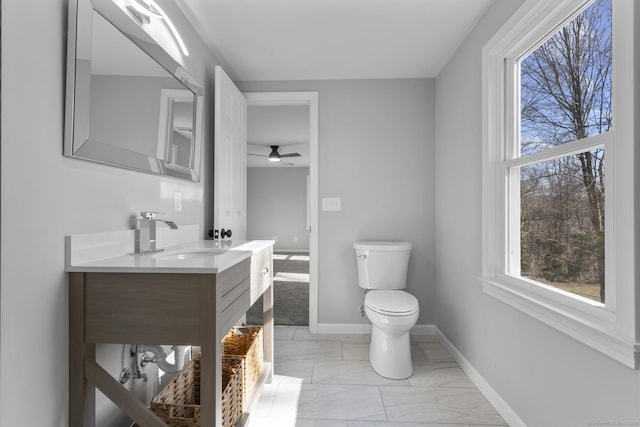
{"points": [[188, 254]]}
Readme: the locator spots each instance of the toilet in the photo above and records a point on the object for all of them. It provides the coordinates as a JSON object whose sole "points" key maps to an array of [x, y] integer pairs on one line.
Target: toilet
{"points": [[382, 272]]}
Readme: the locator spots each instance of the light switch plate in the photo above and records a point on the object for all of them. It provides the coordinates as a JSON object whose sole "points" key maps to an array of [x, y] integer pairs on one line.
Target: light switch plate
{"points": [[331, 204]]}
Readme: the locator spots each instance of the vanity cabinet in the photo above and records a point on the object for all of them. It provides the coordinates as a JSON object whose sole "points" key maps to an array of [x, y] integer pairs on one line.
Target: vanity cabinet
{"points": [[162, 308]]}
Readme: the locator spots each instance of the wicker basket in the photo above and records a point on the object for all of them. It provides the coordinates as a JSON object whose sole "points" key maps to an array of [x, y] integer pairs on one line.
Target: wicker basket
{"points": [[178, 404], [249, 346]]}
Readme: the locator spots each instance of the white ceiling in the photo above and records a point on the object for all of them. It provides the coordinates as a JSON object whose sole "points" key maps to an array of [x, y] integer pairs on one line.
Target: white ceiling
{"points": [[284, 126], [325, 39], [333, 39]]}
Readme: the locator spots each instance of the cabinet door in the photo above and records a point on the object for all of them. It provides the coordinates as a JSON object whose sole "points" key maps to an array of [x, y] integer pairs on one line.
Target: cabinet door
{"points": [[230, 158]]}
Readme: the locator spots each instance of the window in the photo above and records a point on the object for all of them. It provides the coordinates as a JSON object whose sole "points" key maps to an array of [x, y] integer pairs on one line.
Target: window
{"points": [[555, 114], [555, 164]]}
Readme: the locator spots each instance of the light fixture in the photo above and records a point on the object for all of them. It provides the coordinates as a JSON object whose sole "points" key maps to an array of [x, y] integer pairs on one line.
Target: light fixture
{"points": [[144, 10], [274, 156]]}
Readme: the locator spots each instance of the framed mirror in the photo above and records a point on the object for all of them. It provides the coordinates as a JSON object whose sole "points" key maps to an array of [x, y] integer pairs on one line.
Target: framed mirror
{"points": [[129, 103]]}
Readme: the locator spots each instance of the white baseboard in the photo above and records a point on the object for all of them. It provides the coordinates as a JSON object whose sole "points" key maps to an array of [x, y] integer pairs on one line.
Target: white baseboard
{"points": [[365, 329], [423, 330], [297, 251], [344, 328], [509, 415]]}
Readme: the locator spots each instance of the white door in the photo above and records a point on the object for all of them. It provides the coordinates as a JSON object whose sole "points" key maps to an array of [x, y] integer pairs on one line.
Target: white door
{"points": [[230, 158]]}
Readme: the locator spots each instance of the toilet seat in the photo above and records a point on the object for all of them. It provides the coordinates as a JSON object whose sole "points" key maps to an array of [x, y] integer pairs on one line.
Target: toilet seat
{"points": [[391, 302]]}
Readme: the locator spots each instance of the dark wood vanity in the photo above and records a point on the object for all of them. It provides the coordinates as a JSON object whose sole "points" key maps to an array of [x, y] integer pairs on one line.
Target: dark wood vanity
{"points": [[162, 308]]}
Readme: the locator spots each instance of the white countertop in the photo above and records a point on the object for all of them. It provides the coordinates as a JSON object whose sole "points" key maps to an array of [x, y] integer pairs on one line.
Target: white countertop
{"points": [[113, 253]]}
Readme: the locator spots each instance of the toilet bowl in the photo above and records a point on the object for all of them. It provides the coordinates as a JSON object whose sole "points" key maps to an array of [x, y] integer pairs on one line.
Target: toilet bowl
{"points": [[392, 313], [382, 272]]}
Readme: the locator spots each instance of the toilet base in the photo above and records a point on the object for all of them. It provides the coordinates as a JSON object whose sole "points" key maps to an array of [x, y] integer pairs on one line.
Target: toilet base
{"points": [[390, 355]]}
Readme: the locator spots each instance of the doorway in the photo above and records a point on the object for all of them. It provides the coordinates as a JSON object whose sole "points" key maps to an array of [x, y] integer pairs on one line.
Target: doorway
{"points": [[297, 149]]}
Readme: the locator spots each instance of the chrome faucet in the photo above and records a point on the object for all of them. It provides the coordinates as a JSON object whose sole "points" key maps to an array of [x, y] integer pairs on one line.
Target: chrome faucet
{"points": [[146, 232]]}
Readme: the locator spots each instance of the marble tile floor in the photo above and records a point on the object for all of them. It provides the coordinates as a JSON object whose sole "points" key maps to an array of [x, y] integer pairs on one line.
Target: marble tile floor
{"points": [[326, 381]]}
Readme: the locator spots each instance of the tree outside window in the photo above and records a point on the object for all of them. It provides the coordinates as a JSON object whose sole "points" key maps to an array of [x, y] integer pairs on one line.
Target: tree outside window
{"points": [[565, 96]]}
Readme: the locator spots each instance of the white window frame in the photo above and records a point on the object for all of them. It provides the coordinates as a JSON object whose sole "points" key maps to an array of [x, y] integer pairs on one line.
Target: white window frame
{"points": [[614, 328]]}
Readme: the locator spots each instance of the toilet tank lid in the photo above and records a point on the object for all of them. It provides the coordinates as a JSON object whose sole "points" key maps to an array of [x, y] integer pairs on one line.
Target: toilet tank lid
{"points": [[383, 246]]}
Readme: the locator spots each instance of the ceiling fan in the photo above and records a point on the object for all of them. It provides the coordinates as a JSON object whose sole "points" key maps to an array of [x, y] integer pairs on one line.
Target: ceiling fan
{"points": [[275, 156]]}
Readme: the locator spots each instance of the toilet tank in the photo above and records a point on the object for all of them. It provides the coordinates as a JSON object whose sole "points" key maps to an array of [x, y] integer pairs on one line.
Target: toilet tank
{"points": [[382, 265]]}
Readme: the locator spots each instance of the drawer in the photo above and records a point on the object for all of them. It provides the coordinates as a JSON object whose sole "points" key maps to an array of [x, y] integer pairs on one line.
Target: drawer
{"points": [[261, 272]]}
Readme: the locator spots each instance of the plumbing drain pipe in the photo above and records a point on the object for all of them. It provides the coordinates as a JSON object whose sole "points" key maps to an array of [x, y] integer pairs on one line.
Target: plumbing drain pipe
{"points": [[160, 357]]}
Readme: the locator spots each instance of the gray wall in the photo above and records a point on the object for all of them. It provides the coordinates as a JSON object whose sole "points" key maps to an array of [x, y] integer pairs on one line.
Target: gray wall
{"points": [[376, 142], [277, 206], [125, 111], [46, 196], [548, 378], [377, 150]]}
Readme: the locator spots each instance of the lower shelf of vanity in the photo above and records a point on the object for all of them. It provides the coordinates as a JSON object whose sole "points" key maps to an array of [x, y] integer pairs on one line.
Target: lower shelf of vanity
{"points": [[255, 396], [265, 374]]}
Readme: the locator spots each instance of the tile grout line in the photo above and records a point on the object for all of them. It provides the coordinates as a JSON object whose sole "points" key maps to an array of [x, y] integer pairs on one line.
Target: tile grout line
{"points": [[318, 357], [384, 407]]}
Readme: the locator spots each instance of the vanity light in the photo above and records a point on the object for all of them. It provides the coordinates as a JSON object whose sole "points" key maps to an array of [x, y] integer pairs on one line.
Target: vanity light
{"points": [[174, 31], [144, 10]]}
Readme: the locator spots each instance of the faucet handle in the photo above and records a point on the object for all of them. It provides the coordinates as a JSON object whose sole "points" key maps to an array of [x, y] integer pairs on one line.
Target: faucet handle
{"points": [[149, 214], [172, 225]]}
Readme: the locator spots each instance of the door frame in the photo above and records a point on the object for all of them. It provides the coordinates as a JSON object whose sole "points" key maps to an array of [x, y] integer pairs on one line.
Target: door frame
{"points": [[309, 99]]}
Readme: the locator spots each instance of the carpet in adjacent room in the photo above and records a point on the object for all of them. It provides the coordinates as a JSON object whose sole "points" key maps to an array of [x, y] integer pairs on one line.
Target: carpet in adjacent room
{"points": [[291, 291]]}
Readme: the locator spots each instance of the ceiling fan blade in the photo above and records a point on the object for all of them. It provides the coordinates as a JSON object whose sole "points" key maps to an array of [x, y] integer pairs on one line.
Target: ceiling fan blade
{"points": [[275, 156]]}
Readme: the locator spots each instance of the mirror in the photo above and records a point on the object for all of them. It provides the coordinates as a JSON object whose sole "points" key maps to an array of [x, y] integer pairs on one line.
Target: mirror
{"points": [[129, 103]]}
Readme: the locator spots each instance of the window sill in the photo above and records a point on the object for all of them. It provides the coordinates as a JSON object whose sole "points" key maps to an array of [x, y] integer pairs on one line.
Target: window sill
{"points": [[597, 331]]}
